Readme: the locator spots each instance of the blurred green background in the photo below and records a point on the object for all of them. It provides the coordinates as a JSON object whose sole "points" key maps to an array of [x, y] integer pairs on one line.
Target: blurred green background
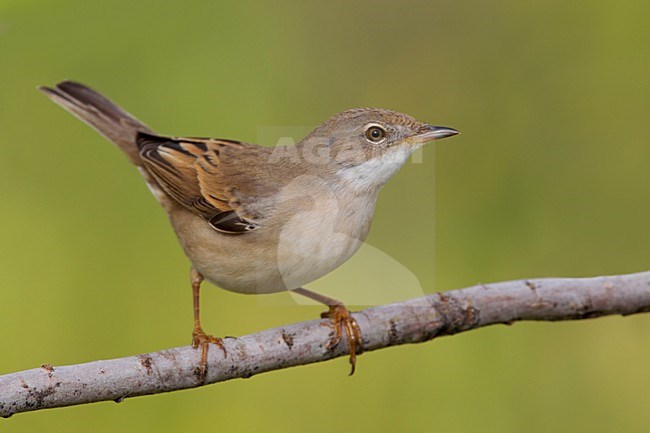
{"points": [[549, 178]]}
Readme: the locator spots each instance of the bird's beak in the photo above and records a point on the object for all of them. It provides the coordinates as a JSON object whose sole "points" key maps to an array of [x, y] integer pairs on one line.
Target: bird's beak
{"points": [[430, 133]]}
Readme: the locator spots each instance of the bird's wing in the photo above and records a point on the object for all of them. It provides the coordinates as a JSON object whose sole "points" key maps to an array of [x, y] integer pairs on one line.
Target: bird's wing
{"points": [[188, 169]]}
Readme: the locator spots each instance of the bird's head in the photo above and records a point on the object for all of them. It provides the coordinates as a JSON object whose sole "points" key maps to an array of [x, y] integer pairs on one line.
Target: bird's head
{"points": [[368, 145]]}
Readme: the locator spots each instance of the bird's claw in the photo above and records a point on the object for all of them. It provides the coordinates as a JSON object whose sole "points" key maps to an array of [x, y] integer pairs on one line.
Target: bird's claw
{"points": [[342, 320], [203, 340]]}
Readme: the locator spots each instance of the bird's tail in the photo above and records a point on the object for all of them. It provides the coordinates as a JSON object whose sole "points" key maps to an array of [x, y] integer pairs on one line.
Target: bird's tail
{"points": [[104, 116], [109, 120]]}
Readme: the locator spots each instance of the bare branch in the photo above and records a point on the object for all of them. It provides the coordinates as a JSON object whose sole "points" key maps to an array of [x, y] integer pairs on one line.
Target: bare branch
{"points": [[412, 321]]}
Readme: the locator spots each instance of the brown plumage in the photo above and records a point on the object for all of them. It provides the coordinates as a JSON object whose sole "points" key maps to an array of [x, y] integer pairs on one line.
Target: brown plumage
{"points": [[253, 219], [191, 172]]}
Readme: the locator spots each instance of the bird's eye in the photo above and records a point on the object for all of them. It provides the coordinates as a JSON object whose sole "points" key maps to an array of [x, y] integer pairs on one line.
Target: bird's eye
{"points": [[375, 134]]}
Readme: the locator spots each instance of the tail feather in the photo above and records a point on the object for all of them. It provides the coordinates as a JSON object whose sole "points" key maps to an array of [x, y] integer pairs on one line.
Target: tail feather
{"points": [[112, 122], [104, 116]]}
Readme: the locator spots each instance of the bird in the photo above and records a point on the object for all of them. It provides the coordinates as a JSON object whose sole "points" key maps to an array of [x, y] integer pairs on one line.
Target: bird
{"points": [[258, 220]]}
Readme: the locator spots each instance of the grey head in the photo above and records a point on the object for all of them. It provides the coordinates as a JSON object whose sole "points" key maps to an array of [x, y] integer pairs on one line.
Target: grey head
{"points": [[368, 145]]}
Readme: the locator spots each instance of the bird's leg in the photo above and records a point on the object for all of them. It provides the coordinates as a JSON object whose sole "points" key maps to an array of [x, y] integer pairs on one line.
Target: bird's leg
{"points": [[199, 337], [342, 320]]}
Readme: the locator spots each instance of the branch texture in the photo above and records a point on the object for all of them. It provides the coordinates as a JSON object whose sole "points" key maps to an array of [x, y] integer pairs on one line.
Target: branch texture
{"points": [[412, 321]]}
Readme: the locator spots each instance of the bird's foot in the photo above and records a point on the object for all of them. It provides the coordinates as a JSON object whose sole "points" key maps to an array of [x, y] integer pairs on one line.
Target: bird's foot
{"points": [[342, 320], [203, 340]]}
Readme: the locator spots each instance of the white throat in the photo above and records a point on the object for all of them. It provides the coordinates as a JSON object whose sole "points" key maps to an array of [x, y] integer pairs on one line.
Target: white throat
{"points": [[375, 172]]}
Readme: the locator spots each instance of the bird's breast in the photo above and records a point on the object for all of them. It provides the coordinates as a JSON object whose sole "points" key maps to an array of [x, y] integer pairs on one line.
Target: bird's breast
{"points": [[317, 240], [306, 237]]}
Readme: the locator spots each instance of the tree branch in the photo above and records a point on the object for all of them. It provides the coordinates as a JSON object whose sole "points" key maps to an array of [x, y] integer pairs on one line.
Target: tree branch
{"points": [[412, 321]]}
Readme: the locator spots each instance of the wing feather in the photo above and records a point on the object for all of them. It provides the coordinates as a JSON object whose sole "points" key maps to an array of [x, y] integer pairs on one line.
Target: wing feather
{"points": [[188, 169]]}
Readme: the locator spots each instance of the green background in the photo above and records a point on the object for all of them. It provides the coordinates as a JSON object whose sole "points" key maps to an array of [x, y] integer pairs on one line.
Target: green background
{"points": [[550, 177]]}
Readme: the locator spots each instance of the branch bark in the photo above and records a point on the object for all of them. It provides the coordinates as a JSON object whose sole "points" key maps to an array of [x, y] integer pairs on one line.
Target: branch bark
{"points": [[412, 321]]}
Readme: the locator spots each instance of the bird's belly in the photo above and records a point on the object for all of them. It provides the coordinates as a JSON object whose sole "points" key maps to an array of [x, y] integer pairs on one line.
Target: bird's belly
{"points": [[303, 258], [269, 259]]}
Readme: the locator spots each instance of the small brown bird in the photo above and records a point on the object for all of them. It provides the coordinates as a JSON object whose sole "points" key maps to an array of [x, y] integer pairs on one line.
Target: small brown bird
{"points": [[256, 219]]}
